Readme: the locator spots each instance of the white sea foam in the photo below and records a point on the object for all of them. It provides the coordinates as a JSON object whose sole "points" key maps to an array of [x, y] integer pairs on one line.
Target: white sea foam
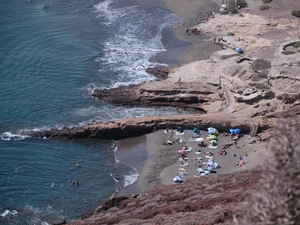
{"points": [[8, 136], [114, 178], [135, 40], [131, 178], [8, 213]]}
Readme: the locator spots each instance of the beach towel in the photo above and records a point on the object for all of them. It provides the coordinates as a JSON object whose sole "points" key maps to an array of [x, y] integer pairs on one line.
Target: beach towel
{"points": [[179, 133], [209, 157], [182, 168], [198, 152], [192, 139], [211, 146], [184, 164], [188, 149], [216, 165]]}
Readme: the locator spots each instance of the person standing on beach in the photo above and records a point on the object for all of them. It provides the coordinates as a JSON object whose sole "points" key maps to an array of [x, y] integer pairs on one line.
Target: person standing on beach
{"points": [[235, 144]]}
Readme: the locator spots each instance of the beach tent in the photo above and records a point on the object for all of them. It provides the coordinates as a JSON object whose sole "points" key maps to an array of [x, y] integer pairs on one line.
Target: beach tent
{"points": [[213, 137], [177, 179], [211, 130], [182, 152], [235, 130], [239, 50]]}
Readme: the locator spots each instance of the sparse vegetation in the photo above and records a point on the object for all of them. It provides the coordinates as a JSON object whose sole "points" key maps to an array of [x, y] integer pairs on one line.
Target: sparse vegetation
{"points": [[283, 72], [296, 44], [260, 76], [267, 1], [260, 64], [242, 73], [264, 7], [287, 52], [259, 86], [235, 73], [296, 13]]}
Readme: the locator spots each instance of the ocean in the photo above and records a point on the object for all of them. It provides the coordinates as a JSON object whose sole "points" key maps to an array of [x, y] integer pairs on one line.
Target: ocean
{"points": [[51, 61]]}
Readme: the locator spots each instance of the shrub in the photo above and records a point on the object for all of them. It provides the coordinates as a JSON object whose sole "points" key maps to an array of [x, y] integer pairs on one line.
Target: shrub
{"points": [[264, 7], [287, 52], [296, 44], [234, 73], [259, 86], [267, 1], [260, 64], [296, 13], [242, 73]]}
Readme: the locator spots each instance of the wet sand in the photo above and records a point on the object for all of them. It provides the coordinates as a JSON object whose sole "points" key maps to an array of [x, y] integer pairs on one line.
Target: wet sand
{"points": [[132, 152]]}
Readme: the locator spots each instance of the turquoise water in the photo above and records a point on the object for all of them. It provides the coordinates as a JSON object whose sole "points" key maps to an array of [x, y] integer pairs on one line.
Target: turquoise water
{"points": [[50, 63]]}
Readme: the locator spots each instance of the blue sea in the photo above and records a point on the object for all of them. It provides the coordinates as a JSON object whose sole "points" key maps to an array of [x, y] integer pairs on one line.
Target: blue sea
{"points": [[51, 61]]}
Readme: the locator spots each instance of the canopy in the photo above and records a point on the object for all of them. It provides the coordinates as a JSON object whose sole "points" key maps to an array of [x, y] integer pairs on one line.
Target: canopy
{"points": [[211, 130], [177, 179], [239, 49], [235, 130], [199, 139], [181, 151], [213, 137]]}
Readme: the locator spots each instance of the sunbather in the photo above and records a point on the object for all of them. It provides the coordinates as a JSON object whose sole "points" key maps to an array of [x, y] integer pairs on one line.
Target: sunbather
{"points": [[222, 152], [226, 145], [208, 153], [202, 144]]}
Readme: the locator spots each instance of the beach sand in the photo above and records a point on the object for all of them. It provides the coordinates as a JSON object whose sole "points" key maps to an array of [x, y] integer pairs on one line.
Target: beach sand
{"points": [[163, 160], [132, 152]]}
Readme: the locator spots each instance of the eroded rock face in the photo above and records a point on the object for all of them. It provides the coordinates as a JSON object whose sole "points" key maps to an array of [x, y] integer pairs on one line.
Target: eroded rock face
{"points": [[205, 200]]}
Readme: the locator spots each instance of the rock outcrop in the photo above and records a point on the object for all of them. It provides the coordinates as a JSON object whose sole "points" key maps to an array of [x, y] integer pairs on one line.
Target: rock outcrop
{"points": [[207, 200]]}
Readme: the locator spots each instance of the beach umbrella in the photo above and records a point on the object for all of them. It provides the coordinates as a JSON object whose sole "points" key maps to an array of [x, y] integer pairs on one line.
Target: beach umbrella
{"points": [[236, 131], [231, 32], [211, 130], [177, 179], [181, 151], [239, 49], [199, 139], [213, 141], [213, 137], [231, 131]]}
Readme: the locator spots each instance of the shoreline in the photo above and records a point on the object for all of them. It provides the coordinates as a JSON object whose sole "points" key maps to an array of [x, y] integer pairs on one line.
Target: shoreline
{"points": [[162, 159], [181, 48]]}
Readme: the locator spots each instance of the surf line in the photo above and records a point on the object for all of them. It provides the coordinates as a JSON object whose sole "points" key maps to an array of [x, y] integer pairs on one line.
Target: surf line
{"points": [[114, 178]]}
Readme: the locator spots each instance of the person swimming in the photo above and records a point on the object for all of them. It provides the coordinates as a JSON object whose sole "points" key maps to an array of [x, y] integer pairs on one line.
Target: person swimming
{"points": [[77, 164], [52, 185]]}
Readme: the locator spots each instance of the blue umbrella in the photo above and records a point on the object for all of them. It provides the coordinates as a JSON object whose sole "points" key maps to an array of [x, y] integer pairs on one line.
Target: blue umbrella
{"points": [[236, 131], [211, 130], [239, 49]]}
